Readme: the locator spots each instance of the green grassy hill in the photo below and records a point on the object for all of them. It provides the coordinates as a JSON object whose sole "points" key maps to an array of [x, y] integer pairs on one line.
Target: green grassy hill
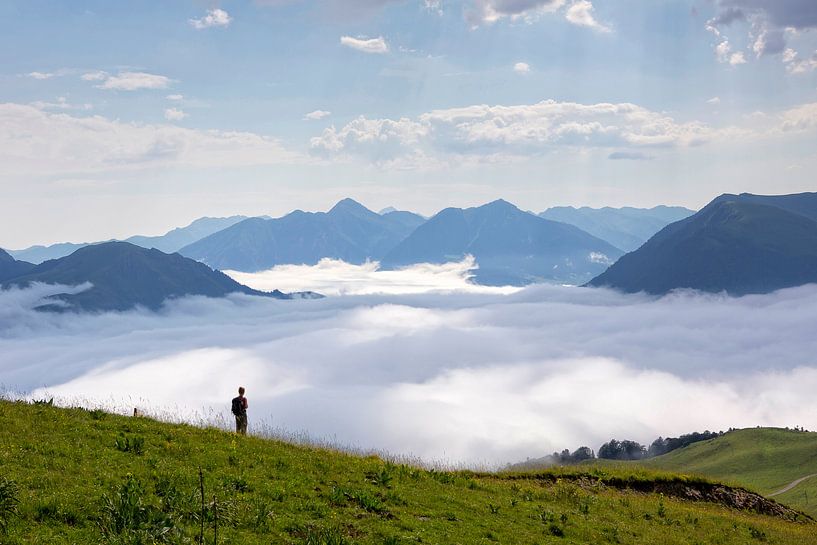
{"points": [[71, 476], [764, 459]]}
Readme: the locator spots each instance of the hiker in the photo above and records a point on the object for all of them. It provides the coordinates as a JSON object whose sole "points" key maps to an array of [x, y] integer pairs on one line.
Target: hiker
{"points": [[240, 406]]}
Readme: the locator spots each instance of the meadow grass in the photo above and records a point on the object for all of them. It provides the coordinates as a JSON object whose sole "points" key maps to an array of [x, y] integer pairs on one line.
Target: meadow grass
{"points": [[762, 459], [76, 478]]}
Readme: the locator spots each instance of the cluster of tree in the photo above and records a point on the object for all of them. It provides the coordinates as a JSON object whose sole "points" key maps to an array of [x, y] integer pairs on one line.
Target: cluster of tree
{"points": [[569, 458], [622, 450], [631, 450], [663, 445]]}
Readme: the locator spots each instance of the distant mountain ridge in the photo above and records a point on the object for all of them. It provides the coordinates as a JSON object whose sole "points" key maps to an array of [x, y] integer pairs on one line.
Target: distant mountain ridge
{"points": [[626, 228], [125, 276], [737, 243], [170, 242], [349, 231], [10, 267], [509, 245]]}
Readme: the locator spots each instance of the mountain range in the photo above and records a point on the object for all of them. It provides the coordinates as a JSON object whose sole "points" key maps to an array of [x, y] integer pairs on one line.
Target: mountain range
{"points": [[123, 276], [170, 242], [349, 231], [737, 244], [625, 228], [510, 246], [10, 267]]}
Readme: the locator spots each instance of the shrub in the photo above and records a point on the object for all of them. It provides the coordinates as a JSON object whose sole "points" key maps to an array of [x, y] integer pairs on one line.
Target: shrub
{"points": [[135, 444], [126, 517], [8, 502], [324, 536]]}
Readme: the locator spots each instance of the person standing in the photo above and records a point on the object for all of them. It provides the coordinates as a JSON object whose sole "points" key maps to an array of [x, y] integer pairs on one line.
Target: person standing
{"points": [[240, 406]]}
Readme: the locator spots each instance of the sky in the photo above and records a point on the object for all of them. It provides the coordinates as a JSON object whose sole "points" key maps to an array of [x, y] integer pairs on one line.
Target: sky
{"points": [[408, 372], [121, 118]]}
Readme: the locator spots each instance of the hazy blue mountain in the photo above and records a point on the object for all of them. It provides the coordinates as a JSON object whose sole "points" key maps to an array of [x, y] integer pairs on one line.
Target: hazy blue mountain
{"points": [[409, 220], [387, 210], [626, 228], [510, 246], [178, 238], [10, 267], [804, 204], [170, 242], [349, 231], [125, 275], [38, 254], [737, 244]]}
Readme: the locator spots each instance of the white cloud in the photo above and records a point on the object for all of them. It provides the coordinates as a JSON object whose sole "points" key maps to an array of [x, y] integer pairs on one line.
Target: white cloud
{"points": [[714, 100], [367, 45], [174, 114], [97, 75], [410, 374], [317, 115], [581, 13], [521, 68], [33, 141], [796, 65], [175, 97], [214, 18], [41, 75], [378, 138], [769, 22], [434, 5], [60, 104], [333, 277], [491, 11], [132, 81], [803, 117], [511, 131], [737, 58]]}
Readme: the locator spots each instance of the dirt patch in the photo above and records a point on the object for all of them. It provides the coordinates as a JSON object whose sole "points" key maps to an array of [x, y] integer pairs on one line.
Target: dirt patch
{"points": [[692, 490]]}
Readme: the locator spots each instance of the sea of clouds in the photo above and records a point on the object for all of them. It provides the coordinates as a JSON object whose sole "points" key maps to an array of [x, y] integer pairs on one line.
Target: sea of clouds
{"points": [[453, 372]]}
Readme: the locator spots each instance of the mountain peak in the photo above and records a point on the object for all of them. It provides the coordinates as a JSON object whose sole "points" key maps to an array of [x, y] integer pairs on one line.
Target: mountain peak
{"points": [[349, 205], [499, 204]]}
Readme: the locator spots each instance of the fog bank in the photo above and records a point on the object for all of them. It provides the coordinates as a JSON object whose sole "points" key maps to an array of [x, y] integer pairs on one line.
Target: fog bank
{"points": [[461, 377]]}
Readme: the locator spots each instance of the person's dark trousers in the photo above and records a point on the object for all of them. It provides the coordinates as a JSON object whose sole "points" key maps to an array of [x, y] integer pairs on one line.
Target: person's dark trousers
{"points": [[241, 424]]}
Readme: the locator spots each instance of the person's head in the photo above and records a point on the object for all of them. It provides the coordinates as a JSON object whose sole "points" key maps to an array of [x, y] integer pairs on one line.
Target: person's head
{"points": [[241, 390]]}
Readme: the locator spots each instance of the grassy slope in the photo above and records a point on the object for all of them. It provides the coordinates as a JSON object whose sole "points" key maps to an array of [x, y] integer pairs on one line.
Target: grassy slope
{"points": [[764, 459], [65, 461]]}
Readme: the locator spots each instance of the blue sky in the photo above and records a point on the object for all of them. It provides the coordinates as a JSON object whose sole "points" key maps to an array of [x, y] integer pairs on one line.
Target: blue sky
{"points": [[134, 117]]}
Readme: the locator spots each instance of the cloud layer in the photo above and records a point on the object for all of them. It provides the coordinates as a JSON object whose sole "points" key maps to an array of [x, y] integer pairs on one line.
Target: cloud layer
{"points": [[411, 373], [33, 141]]}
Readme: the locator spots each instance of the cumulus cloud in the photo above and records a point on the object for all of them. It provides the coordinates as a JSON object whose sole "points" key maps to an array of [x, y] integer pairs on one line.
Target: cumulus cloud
{"points": [[367, 45], [491, 11], [410, 373], [803, 117], [174, 114], [521, 68], [768, 22], [317, 115], [796, 65], [213, 18], [40, 75], [97, 75], [34, 141], [581, 13], [175, 98], [714, 100], [60, 104], [132, 81], [512, 131]]}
